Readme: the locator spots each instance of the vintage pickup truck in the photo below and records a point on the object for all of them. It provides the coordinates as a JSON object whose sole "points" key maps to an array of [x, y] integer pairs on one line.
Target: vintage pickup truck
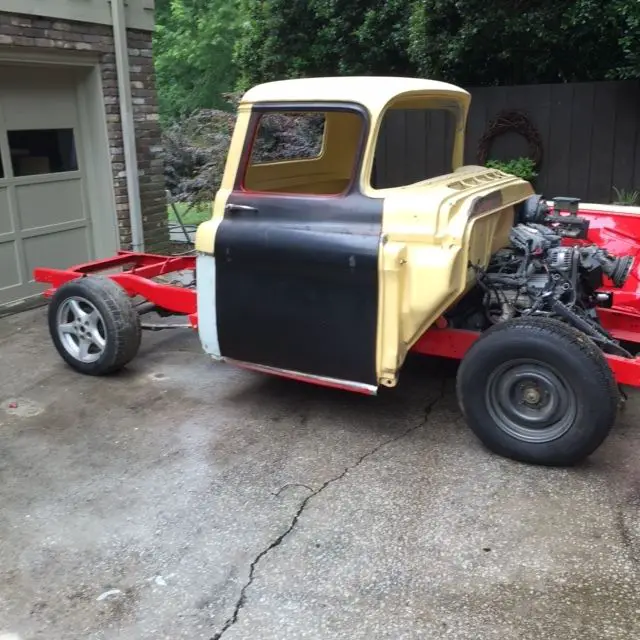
{"points": [[309, 269]]}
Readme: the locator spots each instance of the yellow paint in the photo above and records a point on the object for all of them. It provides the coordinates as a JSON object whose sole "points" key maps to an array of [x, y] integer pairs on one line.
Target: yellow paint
{"points": [[428, 240], [372, 92], [206, 232], [430, 230]]}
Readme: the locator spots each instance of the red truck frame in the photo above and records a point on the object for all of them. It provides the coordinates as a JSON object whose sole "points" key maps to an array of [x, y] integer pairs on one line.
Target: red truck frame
{"points": [[616, 229]]}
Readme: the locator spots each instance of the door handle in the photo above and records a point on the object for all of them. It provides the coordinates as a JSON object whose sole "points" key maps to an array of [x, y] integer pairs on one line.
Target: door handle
{"points": [[239, 208]]}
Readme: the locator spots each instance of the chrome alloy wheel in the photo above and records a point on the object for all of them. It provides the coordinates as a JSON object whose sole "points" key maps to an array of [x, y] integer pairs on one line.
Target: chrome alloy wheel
{"points": [[81, 329]]}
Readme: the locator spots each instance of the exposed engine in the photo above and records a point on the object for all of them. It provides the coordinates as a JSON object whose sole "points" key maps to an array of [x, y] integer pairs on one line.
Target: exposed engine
{"points": [[539, 275]]}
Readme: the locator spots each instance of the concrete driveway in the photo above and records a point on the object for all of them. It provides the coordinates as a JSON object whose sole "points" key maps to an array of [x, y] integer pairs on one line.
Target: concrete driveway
{"points": [[185, 499]]}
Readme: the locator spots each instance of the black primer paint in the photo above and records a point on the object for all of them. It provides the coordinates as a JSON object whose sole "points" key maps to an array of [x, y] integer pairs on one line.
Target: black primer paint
{"points": [[297, 282]]}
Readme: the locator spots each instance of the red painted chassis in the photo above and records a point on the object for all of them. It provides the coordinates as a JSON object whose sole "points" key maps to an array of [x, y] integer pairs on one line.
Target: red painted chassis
{"points": [[614, 229]]}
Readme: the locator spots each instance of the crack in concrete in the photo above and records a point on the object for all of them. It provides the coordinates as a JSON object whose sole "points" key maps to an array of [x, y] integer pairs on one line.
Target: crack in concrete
{"points": [[291, 485], [240, 602]]}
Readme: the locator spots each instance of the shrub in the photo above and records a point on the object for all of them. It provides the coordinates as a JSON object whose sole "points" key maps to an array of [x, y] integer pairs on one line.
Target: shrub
{"points": [[627, 198], [524, 168], [196, 147], [195, 153]]}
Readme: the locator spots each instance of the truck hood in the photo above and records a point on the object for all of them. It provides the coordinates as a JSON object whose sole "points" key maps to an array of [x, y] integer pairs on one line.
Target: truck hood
{"points": [[439, 206]]}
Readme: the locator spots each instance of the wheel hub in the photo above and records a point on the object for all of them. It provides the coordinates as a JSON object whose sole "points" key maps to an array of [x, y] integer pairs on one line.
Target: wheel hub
{"points": [[531, 395], [530, 401]]}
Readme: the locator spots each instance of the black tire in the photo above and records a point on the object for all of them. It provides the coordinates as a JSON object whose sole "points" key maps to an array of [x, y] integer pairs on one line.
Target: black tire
{"points": [[118, 324], [505, 388]]}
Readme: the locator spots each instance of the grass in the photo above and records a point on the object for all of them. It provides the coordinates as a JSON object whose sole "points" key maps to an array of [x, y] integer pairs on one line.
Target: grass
{"points": [[627, 197], [190, 214]]}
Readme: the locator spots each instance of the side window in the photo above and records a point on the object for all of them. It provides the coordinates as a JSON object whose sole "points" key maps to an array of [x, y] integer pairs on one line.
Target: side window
{"points": [[413, 145], [308, 153], [288, 136]]}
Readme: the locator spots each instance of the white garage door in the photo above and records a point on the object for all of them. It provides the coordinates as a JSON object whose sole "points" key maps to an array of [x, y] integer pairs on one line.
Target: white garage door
{"points": [[44, 216]]}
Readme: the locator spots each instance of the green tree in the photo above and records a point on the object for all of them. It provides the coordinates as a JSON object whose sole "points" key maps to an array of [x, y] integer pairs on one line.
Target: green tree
{"points": [[193, 46], [629, 12], [290, 38], [515, 41], [205, 48], [464, 41]]}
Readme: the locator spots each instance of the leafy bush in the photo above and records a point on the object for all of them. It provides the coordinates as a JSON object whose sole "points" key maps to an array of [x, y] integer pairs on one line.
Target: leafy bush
{"points": [[524, 168], [285, 136], [195, 154], [196, 147]]}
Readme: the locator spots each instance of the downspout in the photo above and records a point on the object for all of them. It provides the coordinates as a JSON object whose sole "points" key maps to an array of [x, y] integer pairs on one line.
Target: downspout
{"points": [[128, 128]]}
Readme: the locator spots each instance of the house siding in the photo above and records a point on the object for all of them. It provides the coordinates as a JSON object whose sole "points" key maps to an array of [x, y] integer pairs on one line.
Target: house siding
{"points": [[139, 13], [44, 34]]}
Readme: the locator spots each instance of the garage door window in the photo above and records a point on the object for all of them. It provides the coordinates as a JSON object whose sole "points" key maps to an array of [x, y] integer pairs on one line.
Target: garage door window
{"points": [[41, 151]]}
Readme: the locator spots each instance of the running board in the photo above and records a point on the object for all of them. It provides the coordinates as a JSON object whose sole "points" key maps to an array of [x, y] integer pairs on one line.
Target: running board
{"points": [[322, 381]]}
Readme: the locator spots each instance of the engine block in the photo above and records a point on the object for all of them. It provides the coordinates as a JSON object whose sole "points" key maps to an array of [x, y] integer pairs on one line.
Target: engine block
{"points": [[538, 274]]}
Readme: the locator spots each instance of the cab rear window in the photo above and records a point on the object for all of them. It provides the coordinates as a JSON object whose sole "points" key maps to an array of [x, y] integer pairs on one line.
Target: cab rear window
{"points": [[413, 145]]}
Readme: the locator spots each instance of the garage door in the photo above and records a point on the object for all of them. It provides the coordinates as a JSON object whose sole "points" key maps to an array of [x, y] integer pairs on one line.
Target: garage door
{"points": [[44, 218]]}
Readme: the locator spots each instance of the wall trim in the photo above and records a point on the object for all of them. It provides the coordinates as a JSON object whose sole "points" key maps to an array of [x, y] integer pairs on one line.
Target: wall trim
{"points": [[24, 55], [140, 14]]}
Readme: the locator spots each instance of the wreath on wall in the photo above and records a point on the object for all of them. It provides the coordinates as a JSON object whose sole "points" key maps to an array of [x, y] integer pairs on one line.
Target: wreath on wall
{"points": [[511, 121]]}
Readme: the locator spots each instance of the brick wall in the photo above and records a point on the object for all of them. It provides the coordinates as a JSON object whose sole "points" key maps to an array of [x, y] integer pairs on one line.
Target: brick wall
{"points": [[49, 34]]}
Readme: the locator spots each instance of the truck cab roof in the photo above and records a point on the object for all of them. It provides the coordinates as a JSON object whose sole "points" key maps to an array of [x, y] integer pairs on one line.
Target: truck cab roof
{"points": [[372, 92]]}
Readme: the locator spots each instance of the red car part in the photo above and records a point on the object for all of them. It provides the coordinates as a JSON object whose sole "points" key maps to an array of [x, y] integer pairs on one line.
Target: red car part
{"points": [[616, 229], [135, 277], [454, 343]]}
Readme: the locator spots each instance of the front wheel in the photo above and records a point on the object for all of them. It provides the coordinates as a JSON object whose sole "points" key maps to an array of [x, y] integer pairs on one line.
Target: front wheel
{"points": [[538, 391], [93, 325]]}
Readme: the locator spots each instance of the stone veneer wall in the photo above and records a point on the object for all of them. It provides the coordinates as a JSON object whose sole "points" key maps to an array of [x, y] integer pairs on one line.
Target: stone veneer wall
{"points": [[48, 34]]}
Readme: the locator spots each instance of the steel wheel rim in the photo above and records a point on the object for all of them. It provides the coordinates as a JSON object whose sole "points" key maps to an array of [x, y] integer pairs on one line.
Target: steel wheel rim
{"points": [[81, 329], [531, 401]]}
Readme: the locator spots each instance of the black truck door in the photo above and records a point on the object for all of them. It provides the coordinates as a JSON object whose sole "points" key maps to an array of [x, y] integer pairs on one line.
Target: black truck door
{"points": [[297, 276]]}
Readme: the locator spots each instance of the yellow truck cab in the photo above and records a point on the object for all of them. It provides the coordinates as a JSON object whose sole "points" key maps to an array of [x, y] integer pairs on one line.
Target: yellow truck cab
{"points": [[310, 270]]}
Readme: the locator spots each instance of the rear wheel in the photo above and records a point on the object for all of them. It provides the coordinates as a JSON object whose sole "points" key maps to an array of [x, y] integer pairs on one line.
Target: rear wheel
{"points": [[93, 325], [538, 391]]}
